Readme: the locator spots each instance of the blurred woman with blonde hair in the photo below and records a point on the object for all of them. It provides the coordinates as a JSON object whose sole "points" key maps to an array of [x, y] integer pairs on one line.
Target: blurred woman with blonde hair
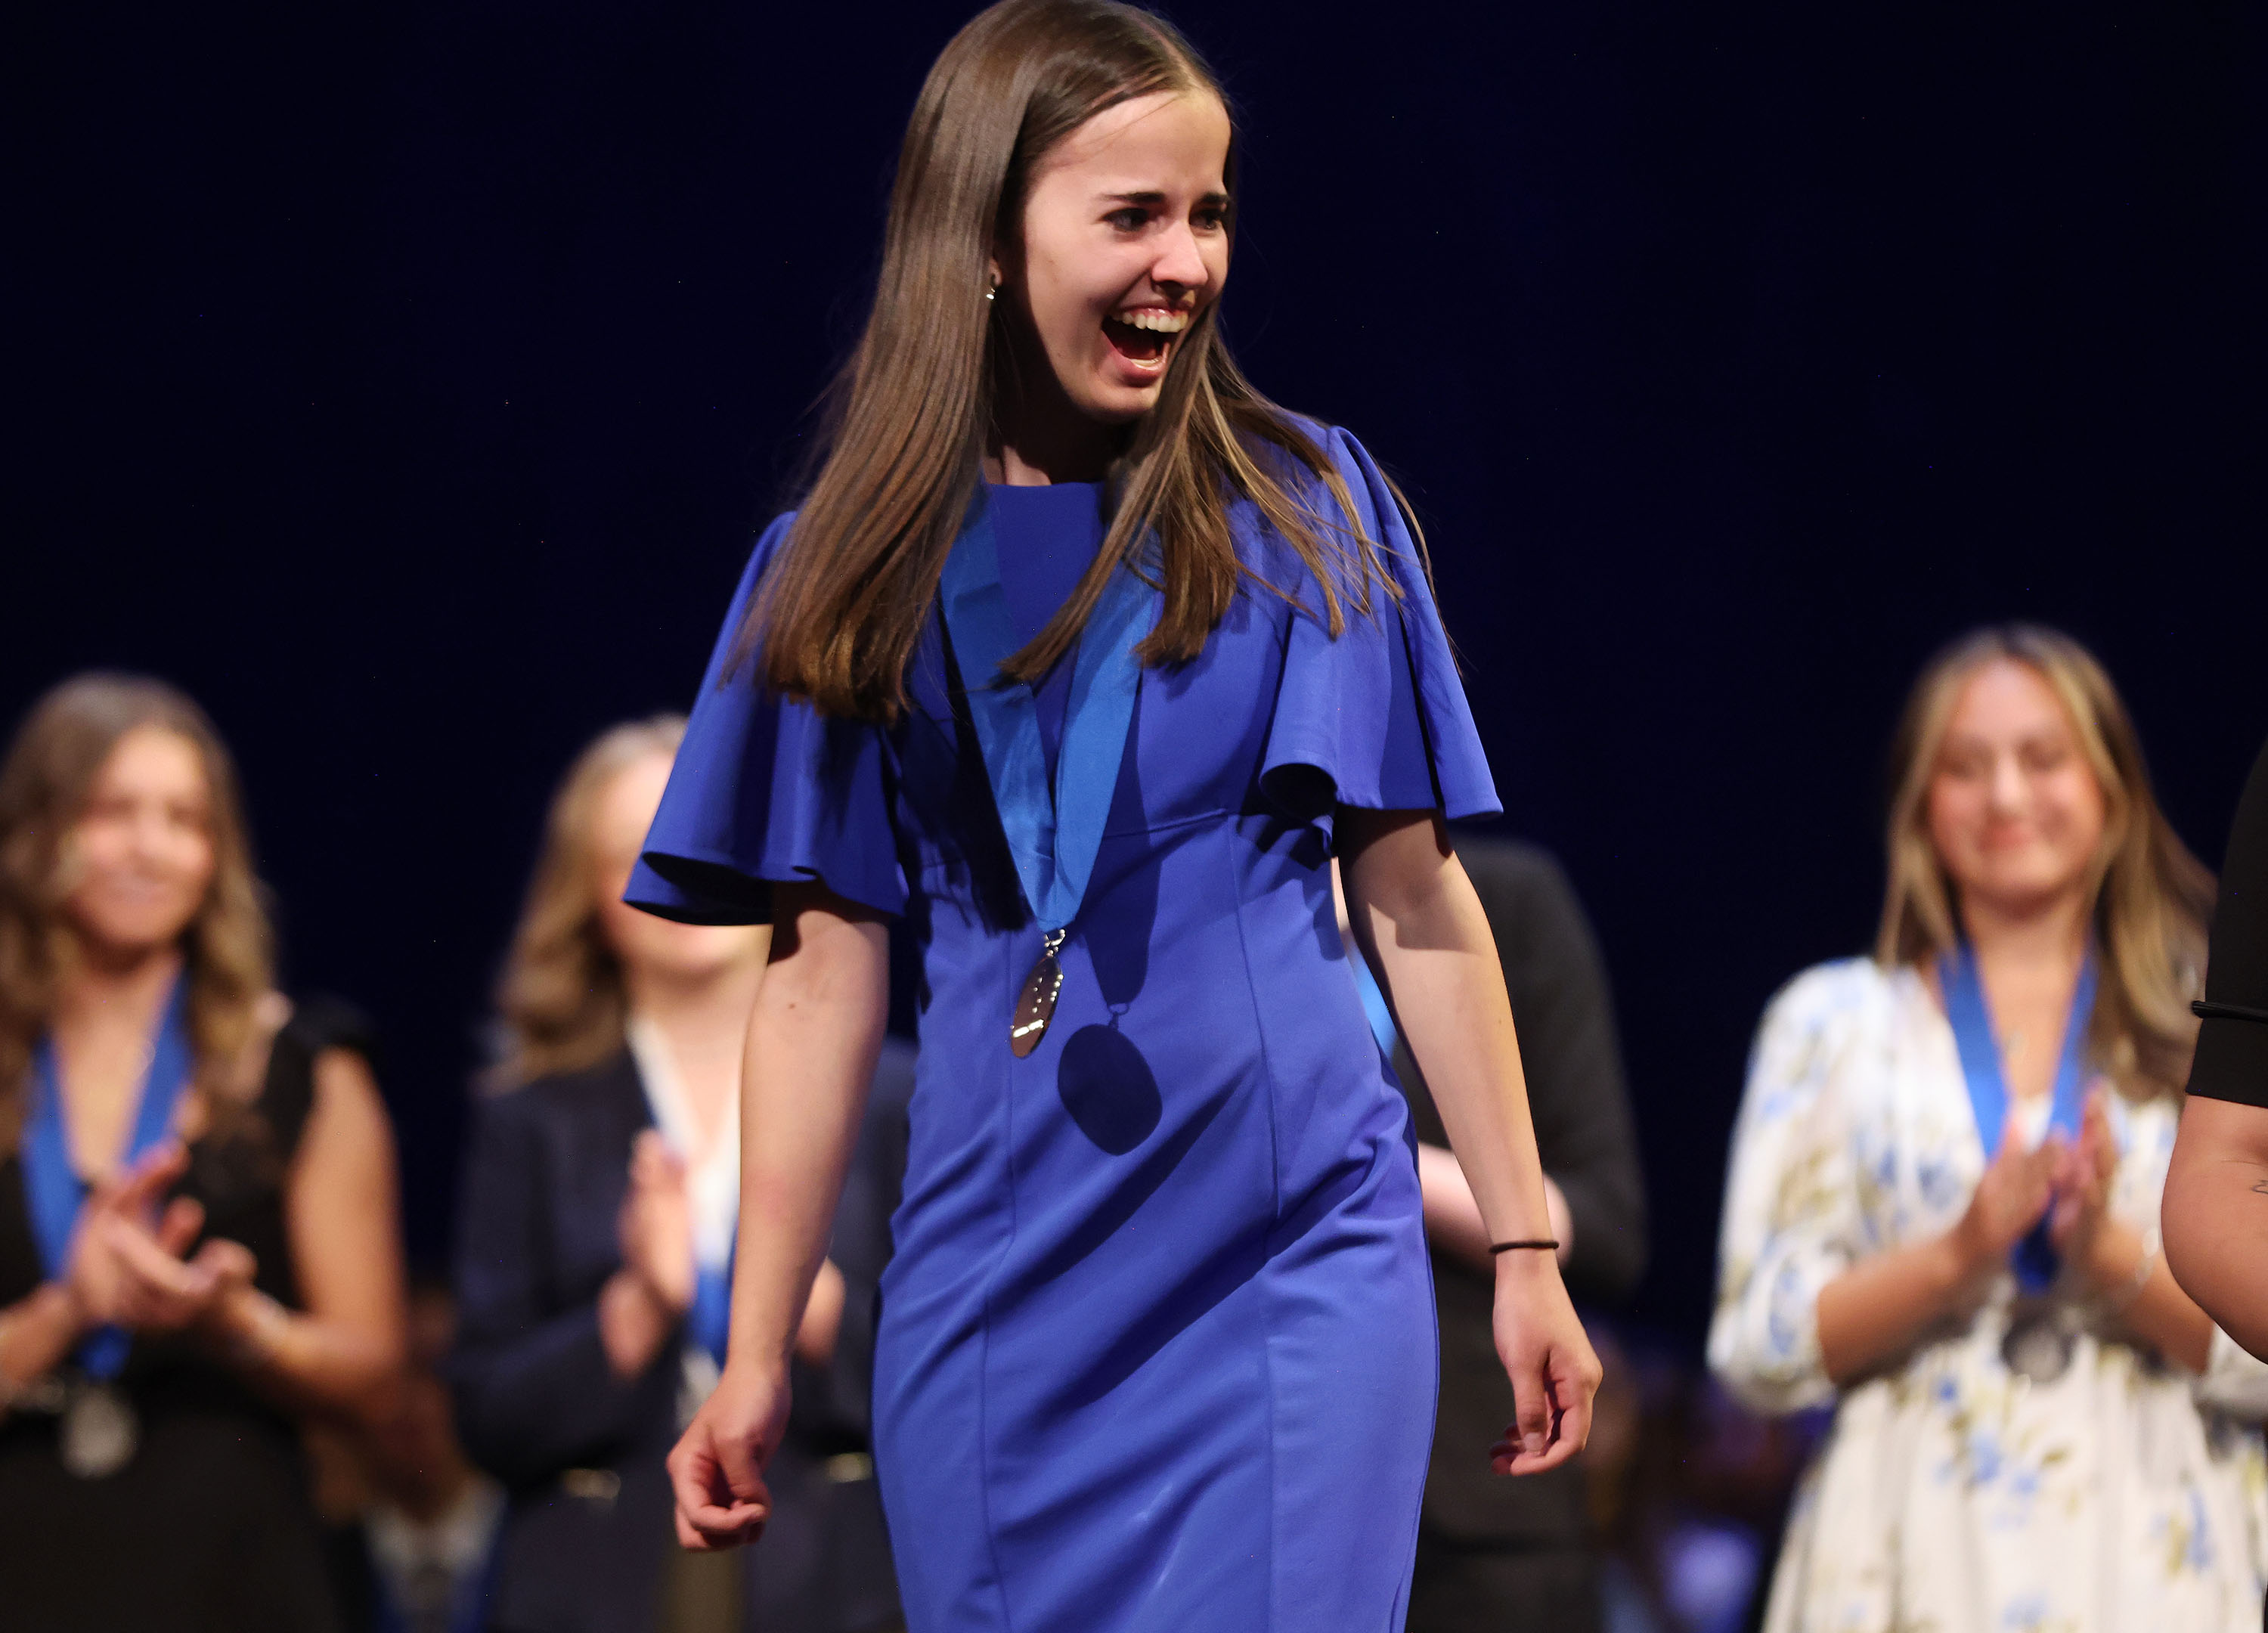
{"points": [[595, 1240], [198, 1238], [1942, 1211]]}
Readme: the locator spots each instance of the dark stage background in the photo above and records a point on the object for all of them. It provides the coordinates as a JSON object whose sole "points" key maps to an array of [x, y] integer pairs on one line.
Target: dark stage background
{"points": [[405, 382]]}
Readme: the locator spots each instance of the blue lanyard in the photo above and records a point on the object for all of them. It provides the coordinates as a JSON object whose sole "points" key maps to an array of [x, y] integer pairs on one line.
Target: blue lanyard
{"points": [[1053, 834], [1375, 1007], [2035, 1258], [709, 1323], [52, 1188]]}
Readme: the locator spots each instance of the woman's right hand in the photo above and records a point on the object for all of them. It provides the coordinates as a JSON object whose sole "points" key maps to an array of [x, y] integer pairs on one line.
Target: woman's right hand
{"points": [[1547, 1356], [717, 1467], [2011, 1199]]}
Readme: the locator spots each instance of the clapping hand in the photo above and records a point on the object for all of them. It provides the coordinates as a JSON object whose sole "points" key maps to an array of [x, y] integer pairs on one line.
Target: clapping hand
{"points": [[655, 1227], [2014, 1195], [126, 1266], [2104, 1252]]}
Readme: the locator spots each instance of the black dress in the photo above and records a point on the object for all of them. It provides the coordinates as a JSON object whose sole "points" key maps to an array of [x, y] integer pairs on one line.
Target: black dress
{"points": [[1495, 1552], [2232, 1049], [209, 1528]]}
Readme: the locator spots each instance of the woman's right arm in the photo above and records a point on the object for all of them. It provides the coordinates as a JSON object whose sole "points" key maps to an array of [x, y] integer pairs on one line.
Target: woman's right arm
{"points": [[36, 1332], [1793, 1322], [813, 1039]]}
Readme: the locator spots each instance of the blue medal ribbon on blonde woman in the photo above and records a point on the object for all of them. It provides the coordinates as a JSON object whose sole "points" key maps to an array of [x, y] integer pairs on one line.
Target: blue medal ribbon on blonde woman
{"points": [[2039, 1342], [99, 1432]]}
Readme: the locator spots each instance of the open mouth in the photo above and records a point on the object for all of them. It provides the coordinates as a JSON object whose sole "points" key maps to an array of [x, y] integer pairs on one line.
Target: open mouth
{"points": [[1144, 336]]}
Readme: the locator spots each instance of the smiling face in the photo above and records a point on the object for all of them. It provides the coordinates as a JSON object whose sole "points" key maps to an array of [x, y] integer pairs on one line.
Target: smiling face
{"points": [[139, 859], [1125, 241], [2016, 812]]}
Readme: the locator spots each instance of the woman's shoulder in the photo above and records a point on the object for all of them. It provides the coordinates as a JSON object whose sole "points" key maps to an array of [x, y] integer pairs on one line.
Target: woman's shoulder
{"points": [[1282, 456], [1839, 996], [605, 1086], [766, 547], [300, 1033], [1346, 492]]}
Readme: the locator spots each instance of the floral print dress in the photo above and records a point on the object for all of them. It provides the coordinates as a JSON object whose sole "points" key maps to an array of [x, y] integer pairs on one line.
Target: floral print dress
{"points": [[1953, 1494]]}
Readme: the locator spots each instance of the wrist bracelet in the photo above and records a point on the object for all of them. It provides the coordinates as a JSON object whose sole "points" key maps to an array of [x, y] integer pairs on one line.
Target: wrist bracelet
{"points": [[2144, 1268], [1541, 1243]]}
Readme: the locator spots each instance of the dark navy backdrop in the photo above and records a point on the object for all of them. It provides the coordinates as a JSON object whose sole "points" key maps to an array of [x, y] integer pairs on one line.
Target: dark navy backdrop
{"points": [[405, 381]]}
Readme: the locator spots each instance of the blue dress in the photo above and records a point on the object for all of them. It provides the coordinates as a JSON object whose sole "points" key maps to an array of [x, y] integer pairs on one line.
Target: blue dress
{"points": [[1156, 1351]]}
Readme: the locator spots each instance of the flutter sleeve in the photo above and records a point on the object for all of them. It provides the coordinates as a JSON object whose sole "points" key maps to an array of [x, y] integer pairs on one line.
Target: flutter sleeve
{"points": [[766, 790], [1376, 716], [1791, 1220]]}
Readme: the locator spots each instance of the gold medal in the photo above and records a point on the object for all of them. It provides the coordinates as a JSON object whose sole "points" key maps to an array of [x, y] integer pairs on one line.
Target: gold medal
{"points": [[1037, 1005]]}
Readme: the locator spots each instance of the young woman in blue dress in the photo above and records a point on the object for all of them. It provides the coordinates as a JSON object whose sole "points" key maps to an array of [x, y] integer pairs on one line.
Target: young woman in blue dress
{"points": [[1085, 658]]}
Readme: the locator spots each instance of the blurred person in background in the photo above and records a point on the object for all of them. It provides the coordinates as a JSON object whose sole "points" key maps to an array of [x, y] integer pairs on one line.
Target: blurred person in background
{"points": [[198, 1243], [1943, 1201], [600, 1202], [2217, 1194], [1492, 1551]]}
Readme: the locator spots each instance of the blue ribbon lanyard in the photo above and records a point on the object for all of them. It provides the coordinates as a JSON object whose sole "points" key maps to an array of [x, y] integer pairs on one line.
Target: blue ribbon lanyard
{"points": [[2034, 1259], [1375, 1007], [52, 1188], [709, 1323], [1053, 834]]}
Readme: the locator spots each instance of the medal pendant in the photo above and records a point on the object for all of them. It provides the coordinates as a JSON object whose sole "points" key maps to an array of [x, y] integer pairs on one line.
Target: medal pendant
{"points": [[2037, 1348], [1036, 1007], [99, 1432]]}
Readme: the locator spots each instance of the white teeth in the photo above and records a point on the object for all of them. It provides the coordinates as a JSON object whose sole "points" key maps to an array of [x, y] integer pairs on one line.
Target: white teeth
{"points": [[1161, 322]]}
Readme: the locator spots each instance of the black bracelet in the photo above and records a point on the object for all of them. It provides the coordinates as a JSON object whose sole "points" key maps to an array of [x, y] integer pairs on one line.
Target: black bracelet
{"points": [[2204, 1010], [1541, 1243]]}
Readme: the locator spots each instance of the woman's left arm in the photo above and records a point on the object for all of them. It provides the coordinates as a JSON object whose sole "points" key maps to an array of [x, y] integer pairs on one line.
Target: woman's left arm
{"points": [[2129, 1271], [341, 1354], [1420, 926], [2115, 1261]]}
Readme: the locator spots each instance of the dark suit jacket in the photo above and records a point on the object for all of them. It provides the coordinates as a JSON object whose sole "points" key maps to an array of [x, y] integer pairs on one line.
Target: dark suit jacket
{"points": [[1567, 1048], [588, 1530]]}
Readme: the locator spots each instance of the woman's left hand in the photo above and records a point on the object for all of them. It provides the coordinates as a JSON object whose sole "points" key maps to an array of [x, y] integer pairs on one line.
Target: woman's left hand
{"points": [[161, 1290], [1549, 1358], [2078, 1218]]}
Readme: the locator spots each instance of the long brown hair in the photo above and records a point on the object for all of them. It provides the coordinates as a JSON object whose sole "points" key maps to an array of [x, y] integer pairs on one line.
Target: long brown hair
{"points": [[44, 784], [841, 610], [562, 997], [2152, 897]]}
